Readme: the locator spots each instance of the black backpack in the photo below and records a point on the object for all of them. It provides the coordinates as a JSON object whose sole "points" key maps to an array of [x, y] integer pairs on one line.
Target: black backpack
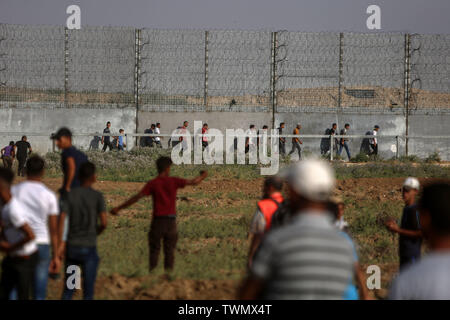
{"points": [[282, 216]]}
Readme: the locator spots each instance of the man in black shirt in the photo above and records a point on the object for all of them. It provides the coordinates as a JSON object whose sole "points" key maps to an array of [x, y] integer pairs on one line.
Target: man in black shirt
{"points": [[71, 159], [23, 149], [410, 240], [106, 140]]}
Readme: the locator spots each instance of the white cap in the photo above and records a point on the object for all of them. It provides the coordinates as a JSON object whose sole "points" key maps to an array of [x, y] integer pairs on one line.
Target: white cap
{"points": [[311, 178], [411, 183]]}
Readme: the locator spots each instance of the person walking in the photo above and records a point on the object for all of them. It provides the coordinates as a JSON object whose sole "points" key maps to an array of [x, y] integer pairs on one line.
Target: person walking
{"points": [[308, 258], [163, 190], [344, 141], [86, 212], [120, 144], [282, 140], [373, 142], [296, 142], [42, 204], [158, 139], [266, 207], [106, 140], [409, 231], [251, 139], [23, 150], [17, 241], [205, 141], [8, 155], [428, 278]]}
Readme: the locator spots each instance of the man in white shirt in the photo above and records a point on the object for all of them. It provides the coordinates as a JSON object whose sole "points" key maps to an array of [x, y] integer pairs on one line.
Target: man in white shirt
{"points": [[158, 139], [252, 138], [43, 205], [374, 142], [17, 240]]}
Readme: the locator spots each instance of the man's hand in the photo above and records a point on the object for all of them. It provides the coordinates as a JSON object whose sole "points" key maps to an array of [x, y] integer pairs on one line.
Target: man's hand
{"points": [[115, 211], [391, 225], [55, 265], [204, 174]]}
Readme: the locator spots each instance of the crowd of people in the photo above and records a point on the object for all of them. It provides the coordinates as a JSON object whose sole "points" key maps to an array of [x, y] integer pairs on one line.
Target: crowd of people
{"points": [[300, 246]]}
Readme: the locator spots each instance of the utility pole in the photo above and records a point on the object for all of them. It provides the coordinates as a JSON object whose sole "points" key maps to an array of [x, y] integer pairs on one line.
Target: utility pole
{"points": [[407, 85]]}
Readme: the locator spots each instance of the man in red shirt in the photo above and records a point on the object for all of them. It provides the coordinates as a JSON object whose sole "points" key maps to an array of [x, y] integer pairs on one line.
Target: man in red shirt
{"points": [[163, 190]]}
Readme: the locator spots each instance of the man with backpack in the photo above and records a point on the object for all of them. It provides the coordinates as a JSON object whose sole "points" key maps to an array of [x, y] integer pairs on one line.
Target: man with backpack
{"points": [[265, 209]]}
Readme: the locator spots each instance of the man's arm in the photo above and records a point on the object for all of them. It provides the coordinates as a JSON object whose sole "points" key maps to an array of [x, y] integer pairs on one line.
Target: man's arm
{"points": [[251, 288], [127, 203], [31, 150], [254, 245], [29, 236], [54, 241], [103, 222], [70, 174], [393, 227], [197, 180]]}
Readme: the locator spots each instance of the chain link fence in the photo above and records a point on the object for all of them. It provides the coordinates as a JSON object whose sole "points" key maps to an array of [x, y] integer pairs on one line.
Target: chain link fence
{"points": [[196, 70]]}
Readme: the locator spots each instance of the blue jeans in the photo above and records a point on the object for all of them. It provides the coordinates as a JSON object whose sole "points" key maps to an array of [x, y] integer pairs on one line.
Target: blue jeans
{"points": [[40, 274], [342, 146], [86, 258]]}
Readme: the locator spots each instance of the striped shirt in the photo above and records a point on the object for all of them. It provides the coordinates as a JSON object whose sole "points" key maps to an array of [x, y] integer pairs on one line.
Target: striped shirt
{"points": [[307, 259]]}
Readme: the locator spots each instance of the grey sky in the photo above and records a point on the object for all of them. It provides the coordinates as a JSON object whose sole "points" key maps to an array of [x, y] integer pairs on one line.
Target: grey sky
{"points": [[414, 16]]}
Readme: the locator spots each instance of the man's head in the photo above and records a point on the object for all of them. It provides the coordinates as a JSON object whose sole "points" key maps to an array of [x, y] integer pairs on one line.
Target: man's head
{"points": [[376, 128], [334, 126], [35, 167], [310, 183], [265, 127], [434, 207], [158, 125], [24, 138], [108, 124], [347, 126], [299, 126], [272, 185], [6, 180], [63, 138], [185, 124], [410, 189], [252, 126], [163, 165], [86, 174], [121, 131], [282, 125], [205, 125], [153, 126], [11, 143]]}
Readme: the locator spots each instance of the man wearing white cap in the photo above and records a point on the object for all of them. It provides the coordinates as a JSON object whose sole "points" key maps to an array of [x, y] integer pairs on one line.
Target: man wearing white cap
{"points": [[410, 240], [307, 258]]}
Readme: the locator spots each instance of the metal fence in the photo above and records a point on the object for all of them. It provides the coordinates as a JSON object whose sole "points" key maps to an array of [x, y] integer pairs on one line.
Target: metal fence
{"points": [[197, 70]]}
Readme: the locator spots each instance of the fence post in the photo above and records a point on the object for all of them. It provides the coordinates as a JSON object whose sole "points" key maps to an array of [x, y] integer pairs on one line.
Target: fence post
{"points": [[341, 66], [126, 141], [273, 75], [407, 86], [397, 144], [331, 147], [66, 67], [205, 84], [137, 70]]}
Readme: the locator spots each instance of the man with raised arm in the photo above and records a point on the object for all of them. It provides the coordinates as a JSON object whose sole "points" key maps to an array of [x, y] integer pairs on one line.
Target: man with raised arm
{"points": [[163, 190]]}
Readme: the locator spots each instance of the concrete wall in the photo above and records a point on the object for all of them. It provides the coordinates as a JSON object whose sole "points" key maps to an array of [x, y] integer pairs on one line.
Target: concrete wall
{"points": [[31, 119], [27, 120]]}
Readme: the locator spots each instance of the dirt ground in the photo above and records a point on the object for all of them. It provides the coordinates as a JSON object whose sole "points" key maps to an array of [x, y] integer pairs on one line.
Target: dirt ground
{"points": [[116, 286]]}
